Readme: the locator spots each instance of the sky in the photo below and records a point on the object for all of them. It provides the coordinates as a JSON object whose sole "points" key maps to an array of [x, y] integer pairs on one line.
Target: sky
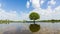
{"points": [[20, 9]]}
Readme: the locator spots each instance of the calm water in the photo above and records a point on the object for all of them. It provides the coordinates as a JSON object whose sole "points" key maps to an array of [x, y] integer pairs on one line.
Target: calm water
{"points": [[19, 28]]}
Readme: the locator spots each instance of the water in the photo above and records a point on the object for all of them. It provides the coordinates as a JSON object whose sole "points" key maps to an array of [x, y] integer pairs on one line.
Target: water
{"points": [[23, 28]]}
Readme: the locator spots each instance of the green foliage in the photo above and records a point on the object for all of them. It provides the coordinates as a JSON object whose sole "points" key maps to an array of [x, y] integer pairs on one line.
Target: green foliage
{"points": [[34, 16], [4, 21], [52, 21], [34, 27]]}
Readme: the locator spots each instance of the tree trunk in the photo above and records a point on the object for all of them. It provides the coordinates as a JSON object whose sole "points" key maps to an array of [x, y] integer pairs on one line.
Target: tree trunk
{"points": [[34, 21]]}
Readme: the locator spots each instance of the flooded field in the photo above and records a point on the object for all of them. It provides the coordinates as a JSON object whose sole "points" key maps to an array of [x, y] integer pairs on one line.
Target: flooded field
{"points": [[23, 28]]}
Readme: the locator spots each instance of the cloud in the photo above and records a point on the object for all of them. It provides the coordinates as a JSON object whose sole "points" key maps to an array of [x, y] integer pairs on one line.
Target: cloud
{"points": [[8, 15], [30, 0], [56, 13], [0, 4], [13, 15], [52, 2], [42, 1], [48, 13], [44, 13], [24, 16], [35, 3], [28, 4]]}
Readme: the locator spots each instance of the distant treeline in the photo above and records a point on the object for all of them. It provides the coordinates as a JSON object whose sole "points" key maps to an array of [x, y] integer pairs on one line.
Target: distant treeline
{"points": [[11, 21], [45, 21], [5, 21], [50, 20], [25, 21]]}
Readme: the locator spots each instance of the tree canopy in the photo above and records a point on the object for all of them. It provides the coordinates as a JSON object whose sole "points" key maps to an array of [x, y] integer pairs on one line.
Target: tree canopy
{"points": [[34, 16]]}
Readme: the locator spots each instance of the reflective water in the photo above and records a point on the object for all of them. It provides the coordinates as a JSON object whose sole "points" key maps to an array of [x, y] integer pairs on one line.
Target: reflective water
{"points": [[23, 28]]}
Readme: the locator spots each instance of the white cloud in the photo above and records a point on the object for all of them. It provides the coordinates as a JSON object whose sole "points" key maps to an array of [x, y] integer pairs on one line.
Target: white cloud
{"points": [[35, 3], [0, 4], [13, 15], [44, 13], [56, 13], [30, 0], [8, 15], [52, 2], [28, 4], [57, 8], [24, 16], [42, 1]]}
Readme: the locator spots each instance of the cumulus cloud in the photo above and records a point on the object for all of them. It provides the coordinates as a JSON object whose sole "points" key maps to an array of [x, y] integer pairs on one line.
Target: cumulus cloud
{"points": [[13, 15], [35, 3], [0, 4], [41, 1], [46, 13], [30, 0], [56, 13], [28, 4], [24, 16], [52, 2], [8, 15]]}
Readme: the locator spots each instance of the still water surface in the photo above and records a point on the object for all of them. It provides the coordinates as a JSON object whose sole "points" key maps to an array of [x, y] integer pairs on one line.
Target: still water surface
{"points": [[21, 27]]}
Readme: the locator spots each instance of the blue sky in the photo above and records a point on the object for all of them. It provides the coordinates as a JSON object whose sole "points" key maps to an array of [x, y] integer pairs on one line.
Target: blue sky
{"points": [[18, 5], [20, 9]]}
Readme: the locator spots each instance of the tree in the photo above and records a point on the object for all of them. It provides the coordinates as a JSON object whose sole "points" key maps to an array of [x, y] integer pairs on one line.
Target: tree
{"points": [[34, 27], [34, 16]]}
